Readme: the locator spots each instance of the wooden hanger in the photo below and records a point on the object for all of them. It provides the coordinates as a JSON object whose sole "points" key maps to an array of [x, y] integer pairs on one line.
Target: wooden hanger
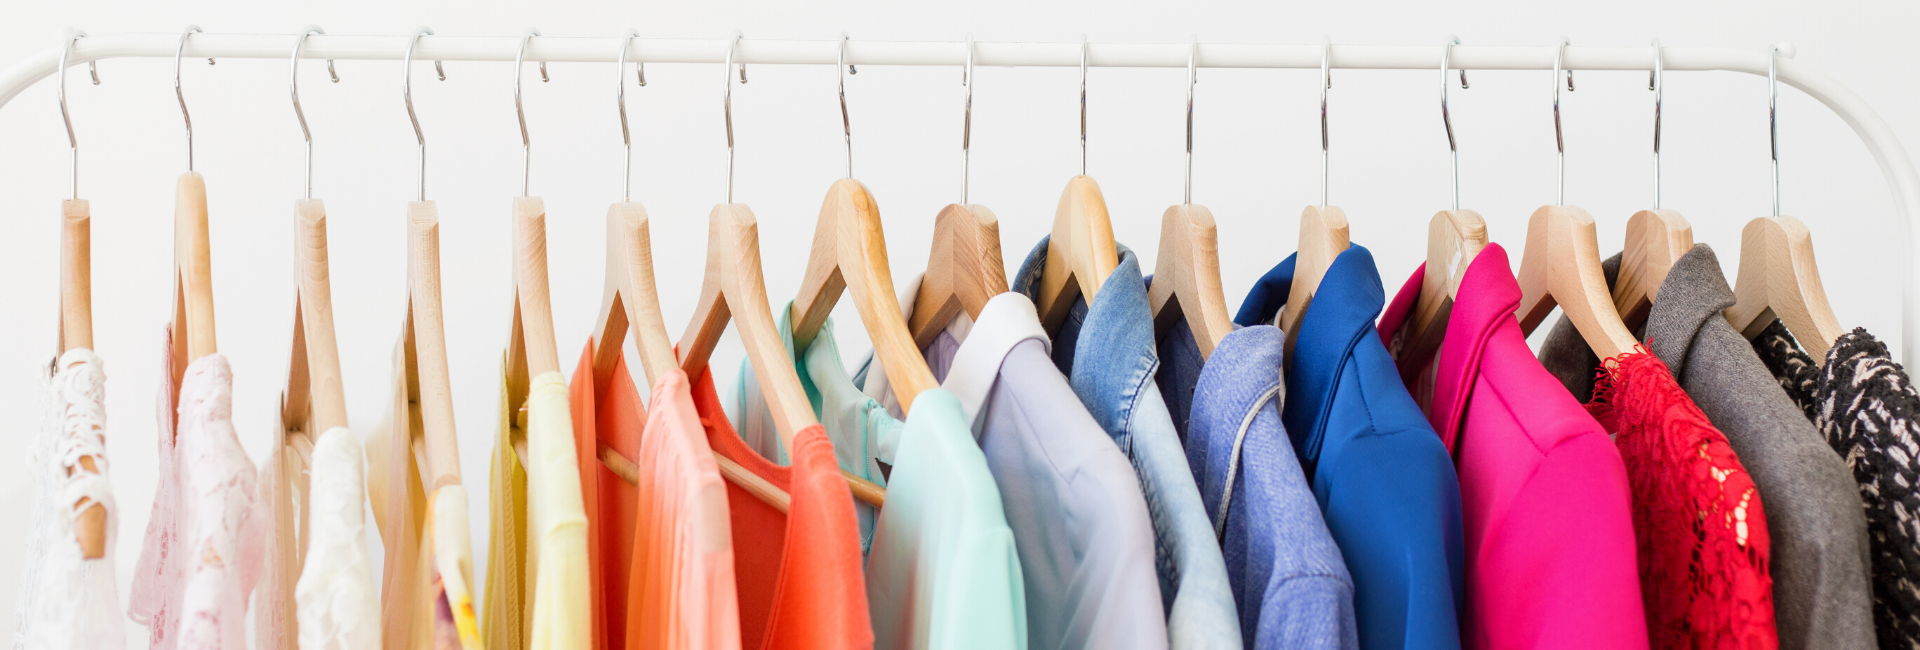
{"points": [[1186, 275], [191, 331], [531, 351], [429, 384], [964, 266], [314, 400], [1454, 238], [733, 289], [1778, 277], [76, 306], [1323, 228], [1561, 264], [1081, 252], [850, 254], [1655, 240]]}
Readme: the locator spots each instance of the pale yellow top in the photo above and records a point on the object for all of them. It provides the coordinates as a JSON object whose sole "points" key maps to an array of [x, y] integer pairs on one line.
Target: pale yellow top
{"points": [[561, 607]]}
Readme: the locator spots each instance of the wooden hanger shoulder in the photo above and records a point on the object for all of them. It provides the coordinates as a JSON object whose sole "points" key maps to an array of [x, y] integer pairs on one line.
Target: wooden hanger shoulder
{"points": [[1323, 237], [1779, 279], [850, 255], [1080, 254], [1454, 238], [1186, 277], [1655, 240], [1562, 267], [76, 331], [426, 337], [193, 330], [531, 348], [630, 302], [964, 270], [314, 400]]}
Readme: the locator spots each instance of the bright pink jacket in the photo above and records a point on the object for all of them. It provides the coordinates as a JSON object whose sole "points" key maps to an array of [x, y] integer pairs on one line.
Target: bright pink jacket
{"points": [[1544, 496]]}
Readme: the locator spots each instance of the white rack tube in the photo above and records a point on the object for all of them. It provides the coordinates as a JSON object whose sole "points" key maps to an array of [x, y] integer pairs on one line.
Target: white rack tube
{"points": [[1873, 131]]}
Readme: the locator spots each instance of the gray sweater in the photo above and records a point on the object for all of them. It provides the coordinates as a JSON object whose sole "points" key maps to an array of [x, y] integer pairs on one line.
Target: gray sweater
{"points": [[1822, 594]]}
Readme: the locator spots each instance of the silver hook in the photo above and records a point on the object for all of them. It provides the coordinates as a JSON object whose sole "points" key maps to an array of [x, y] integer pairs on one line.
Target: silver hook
{"points": [[846, 124], [406, 91], [177, 49], [1655, 83], [1193, 54], [1560, 142], [966, 125], [526, 143], [1773, 120], [1453, 146], [293, 82], [620, 96], [726, 102], [1083, 104], [1326, 81], [73, 143]]}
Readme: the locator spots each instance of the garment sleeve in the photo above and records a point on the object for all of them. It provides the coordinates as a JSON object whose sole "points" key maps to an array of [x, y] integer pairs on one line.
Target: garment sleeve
{"points": [[1394, 509]]}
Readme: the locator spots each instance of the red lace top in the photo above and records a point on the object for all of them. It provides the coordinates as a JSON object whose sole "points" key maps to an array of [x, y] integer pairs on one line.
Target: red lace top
{"points": [[1697, 519]]}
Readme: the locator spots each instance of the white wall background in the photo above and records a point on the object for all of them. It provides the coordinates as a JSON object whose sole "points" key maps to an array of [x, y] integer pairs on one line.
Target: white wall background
{"points": [[1255, 165]]}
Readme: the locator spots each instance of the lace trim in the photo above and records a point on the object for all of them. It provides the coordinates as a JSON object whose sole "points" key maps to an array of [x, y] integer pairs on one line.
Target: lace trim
{"points": [[66, 600]]}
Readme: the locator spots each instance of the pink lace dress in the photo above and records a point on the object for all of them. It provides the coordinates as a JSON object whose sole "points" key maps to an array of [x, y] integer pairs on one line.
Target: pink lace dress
{"points": [[207, 537], [1697, 518]]}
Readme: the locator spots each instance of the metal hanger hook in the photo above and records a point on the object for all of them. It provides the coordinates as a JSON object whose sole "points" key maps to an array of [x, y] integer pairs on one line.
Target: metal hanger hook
{"points": [[73, 143], [1773, 115], [620, 98], [1193, 55], [520, 111], [846, 123], [966, 123], [293, 83], [406, 92], [1446, 117], [1083, 104], [1655, 82], [1326, 81], [726, 104], [1559, 141], [177, 50]]}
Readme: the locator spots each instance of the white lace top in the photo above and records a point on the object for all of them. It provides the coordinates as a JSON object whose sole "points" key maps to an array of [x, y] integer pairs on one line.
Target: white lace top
{"points": [[67, 601], [338, 607]]}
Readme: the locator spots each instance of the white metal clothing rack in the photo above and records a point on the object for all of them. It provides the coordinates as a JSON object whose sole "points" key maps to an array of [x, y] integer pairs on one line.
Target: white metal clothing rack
{"points": [[1898, 169]]}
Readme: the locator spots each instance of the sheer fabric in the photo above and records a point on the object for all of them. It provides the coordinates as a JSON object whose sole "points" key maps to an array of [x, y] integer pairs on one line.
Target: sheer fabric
{"points": [[66, 600], [207, 537], [336, 604], [1697, 517], [285, 489]]}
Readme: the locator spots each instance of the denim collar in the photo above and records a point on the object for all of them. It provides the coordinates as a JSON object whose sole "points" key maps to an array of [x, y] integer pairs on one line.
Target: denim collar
{"points": [[1112, 358], [1343, 309], [1487, 299]]}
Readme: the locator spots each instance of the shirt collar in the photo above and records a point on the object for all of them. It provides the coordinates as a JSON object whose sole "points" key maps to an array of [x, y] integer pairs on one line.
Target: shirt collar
{"points": [[1487, 298], [1005, 321], [1113, 356], [1349, 297], [1694, 291]]}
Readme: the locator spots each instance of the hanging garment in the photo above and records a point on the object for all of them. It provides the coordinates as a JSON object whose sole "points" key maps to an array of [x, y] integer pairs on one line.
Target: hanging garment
{"points": [[416, 561], [562, 609], [1288, 576], [797, 573], [1865, 405], [942, 569], [1382, 477], [1106, 351], [66, 600], [610, 502], [667, 544], [1698, 519], [1179, 373], [1544, 496], [338, 608], [207, 536], [855, 423], [509, 590], [285, 492], [1079, 521], [1819, 557]]}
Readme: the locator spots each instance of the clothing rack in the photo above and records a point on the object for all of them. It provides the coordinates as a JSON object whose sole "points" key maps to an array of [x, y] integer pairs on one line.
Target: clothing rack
{"points": [[1874, 132]]}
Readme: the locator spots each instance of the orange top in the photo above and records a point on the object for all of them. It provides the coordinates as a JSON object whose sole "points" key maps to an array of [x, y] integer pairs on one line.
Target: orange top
{"points": [[611, 414], [799, 576]]}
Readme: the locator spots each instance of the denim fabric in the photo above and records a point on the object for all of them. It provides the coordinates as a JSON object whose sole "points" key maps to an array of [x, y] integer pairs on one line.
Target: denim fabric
{"points": [[1179, 373], [1287, 573], [1106, 349], [1383, 479]]}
